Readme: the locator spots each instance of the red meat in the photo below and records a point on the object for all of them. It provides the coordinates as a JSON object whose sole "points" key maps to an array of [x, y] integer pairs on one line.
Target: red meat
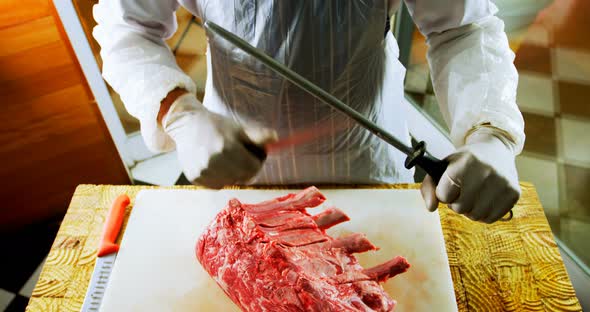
{"points": [[274, 256]]}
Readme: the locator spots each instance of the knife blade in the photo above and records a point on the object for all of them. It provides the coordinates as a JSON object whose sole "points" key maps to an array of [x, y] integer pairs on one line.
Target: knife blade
{"points": [[416, 155], [296, 138], [300, 137], [106, 255]]}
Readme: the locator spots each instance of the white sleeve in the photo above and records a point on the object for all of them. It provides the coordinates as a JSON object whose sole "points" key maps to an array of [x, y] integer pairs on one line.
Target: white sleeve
{"points": [[471, 67], [137, 63]]}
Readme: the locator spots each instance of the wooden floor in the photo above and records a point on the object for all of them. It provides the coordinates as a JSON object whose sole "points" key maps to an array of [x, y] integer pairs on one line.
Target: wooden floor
{"points": [[52, 136]]}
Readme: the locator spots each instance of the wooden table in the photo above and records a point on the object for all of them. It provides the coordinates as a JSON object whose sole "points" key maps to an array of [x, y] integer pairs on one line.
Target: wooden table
{"points": [[506, 266]]}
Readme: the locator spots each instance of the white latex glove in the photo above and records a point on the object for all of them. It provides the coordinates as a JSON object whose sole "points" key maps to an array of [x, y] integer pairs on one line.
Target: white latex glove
{"points": [[213, 149], [480, 182]]}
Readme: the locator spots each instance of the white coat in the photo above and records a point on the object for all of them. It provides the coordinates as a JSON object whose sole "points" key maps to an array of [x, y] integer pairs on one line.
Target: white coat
{"points": [[339, 45]]}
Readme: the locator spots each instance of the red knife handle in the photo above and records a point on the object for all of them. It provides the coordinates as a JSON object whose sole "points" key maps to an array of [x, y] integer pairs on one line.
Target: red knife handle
{"points": [[112, 226]]}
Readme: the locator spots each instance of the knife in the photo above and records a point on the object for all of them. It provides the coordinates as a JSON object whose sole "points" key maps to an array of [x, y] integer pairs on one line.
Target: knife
{"points": [[107, 253], [416, 155]]}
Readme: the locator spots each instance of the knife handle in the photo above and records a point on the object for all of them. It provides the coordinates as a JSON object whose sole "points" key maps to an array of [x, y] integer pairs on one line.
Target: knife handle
{"points": [[112, 226], [432, 165], [256, 150]]}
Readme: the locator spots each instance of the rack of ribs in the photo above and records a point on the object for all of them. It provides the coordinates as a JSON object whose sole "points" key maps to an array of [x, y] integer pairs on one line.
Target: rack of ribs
{"points": [[275, 256]]}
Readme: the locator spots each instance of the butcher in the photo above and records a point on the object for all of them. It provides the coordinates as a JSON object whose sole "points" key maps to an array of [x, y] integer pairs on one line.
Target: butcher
{"points": [[343, 47]]}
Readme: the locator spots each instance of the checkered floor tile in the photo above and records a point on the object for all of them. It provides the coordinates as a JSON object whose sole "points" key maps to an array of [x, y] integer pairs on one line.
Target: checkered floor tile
{"points": [[20, 272]]}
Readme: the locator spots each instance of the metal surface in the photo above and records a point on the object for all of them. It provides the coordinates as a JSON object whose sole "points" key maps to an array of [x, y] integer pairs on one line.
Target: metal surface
{"points": [[309, 87], [578, 272], [98, 282]]}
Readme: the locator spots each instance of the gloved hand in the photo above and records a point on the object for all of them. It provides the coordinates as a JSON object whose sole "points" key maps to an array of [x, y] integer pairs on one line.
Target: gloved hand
{"points": [[212, 149], [480, 182]]}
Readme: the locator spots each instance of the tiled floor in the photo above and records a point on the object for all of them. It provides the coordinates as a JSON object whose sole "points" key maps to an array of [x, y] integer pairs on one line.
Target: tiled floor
{"points": [[535, 93], [20, 272], [544, 173], [572, 64], [553, 60], [541, 134], [574, 98], [5, 298], [575, 143]]}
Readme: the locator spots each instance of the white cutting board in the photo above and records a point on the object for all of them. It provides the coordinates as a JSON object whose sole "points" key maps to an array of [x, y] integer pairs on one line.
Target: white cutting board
{"points": [[157, 270]]}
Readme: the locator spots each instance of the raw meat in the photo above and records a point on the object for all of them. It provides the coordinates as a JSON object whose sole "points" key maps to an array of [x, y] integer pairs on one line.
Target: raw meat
{"points": [[274, 256]]}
